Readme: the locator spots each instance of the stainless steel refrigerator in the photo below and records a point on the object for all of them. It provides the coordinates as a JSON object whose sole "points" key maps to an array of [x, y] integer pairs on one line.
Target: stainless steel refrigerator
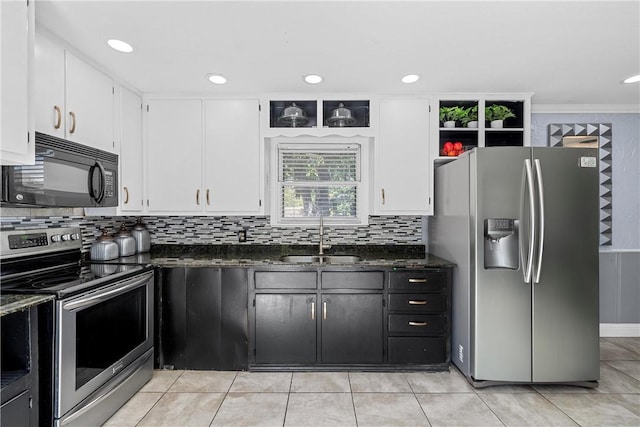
{"points": [[522, 225]]}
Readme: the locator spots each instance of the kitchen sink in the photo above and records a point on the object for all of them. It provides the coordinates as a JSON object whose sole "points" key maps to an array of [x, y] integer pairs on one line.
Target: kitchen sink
{"points": [[340, 259], [322, 259]]}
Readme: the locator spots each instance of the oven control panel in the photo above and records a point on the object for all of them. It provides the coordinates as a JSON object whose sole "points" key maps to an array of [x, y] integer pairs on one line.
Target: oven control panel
{"points": [[30, 242], [19, 241]]}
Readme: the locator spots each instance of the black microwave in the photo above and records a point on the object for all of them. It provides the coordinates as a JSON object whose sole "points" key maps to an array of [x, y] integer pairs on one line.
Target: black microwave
{"points": [[65, 174]]}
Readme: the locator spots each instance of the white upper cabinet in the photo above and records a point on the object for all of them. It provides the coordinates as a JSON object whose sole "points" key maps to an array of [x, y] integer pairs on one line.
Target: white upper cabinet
{"points": [[49, 87], [174, 156], [404, 171], [16, 118], [89, 103], [131, 190], [73, 100], [233, 168]]}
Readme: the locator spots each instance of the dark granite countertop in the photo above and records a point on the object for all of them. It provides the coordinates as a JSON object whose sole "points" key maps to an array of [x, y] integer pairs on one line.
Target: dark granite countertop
{"points": [[12, 303], [259, 255]]}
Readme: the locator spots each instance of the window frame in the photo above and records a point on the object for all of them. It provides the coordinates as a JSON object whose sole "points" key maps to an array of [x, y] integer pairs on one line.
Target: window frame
{"points": [[319, 143]]}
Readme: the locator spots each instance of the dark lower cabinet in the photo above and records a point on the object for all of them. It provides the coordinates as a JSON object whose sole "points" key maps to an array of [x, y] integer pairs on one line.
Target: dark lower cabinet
{"points": [[418, 317], [285, 328], [330, 317], [352, 331], [417, 350], [297, 323], [202, 318], [19, 392]]}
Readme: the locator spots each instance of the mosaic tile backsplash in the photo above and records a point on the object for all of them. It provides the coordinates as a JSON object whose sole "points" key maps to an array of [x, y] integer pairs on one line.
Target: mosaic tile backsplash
{"points": [[382, 230]]}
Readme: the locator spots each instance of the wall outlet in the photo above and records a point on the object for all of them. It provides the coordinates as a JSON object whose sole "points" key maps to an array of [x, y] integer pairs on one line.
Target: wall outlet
{"points": [[242, 236], [460, 353]]}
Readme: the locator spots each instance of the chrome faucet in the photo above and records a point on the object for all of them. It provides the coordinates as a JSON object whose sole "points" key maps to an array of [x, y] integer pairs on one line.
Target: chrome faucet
{"points": [[322, 246]]}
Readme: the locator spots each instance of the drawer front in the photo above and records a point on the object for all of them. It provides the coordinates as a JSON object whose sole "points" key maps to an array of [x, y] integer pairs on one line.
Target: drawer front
{"points": [[286, 279], [419, 303], [417, 324], [417, 350], [352, 280], [418, 280]]}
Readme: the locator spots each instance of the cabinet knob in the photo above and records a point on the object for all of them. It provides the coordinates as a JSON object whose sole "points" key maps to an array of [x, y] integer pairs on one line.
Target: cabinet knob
{"points": [[58, 112], [417, 323], [73, 122]]}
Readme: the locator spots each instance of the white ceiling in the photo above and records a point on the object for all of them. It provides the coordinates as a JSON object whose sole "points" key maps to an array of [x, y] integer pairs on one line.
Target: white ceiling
{"points": [[566, 52]]}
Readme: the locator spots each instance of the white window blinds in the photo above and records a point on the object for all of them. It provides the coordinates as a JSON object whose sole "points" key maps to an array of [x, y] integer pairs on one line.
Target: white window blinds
{"points": [[319, 181]]}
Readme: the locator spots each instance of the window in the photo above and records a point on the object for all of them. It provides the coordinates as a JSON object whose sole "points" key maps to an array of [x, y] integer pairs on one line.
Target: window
{"points": [[315, 180]]}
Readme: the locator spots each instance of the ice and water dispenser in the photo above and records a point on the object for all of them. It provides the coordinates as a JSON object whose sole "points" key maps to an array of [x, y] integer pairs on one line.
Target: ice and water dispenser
{"points": [[501, 243]]}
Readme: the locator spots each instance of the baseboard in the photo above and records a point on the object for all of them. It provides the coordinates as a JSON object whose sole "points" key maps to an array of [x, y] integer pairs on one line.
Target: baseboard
{"points": [[620, 329]]}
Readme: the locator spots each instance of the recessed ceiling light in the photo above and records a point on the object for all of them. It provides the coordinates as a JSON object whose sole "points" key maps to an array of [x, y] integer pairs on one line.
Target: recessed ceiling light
{"points": [[120, 46], [217, 79], [312, 79], [633, 79], [410, 78]]}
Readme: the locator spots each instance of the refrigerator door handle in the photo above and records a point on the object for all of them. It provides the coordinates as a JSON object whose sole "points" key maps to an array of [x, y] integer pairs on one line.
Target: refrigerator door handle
{"points": [[527, 263], [538, 267]]}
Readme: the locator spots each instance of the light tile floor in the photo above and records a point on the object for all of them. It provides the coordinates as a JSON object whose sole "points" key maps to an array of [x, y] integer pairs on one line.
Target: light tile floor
{"points": [[210, 398]]}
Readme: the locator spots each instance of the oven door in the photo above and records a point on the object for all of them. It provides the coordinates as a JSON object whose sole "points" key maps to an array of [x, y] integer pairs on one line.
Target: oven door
{"points": [[99, 334]]}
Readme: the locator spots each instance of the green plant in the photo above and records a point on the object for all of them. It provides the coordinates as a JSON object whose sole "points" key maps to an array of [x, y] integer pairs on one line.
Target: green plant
{"points": [[470, 115], [452, 113], [497, 112]]}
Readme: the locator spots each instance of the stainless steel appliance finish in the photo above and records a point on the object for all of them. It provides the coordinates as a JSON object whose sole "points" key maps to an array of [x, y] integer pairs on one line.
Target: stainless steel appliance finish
{"points": [[104, 248], [126, 242], [65, 174], [102, 323], [522, 224], [101, 333], [141, 234]]}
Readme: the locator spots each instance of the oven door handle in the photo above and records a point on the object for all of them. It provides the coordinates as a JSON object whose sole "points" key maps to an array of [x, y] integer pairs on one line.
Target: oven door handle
{"points": [[107, 294]]}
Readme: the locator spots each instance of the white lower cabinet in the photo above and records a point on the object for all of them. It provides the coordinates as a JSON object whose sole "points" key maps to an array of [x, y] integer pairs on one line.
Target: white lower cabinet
{"points": [[16, 56], [232, 157], [174, 156], [403, 171], [131, 190]]}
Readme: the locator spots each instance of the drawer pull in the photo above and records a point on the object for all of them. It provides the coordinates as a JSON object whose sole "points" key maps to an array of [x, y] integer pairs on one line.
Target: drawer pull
{"points": [[417, 280], [417, 323], [417, 302]]}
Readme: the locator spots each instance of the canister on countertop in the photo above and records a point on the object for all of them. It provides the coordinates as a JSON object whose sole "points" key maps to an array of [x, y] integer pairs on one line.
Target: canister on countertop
{"points": [[141, 234], [125, 241], [104, 248]]}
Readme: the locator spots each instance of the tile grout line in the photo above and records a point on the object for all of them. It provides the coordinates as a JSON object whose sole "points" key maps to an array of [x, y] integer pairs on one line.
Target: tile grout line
{"points": [[560, 409], [415, 396], [161, 396], [353, 403], [286, 407], [224, 398]]}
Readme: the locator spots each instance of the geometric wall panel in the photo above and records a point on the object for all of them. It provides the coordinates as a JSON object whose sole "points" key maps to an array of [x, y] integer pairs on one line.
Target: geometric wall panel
{"points": [[557, 131]]}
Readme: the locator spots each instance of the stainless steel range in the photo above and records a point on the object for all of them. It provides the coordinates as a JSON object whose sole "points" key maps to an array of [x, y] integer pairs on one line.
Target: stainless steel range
{"points": [[101, 339]]}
